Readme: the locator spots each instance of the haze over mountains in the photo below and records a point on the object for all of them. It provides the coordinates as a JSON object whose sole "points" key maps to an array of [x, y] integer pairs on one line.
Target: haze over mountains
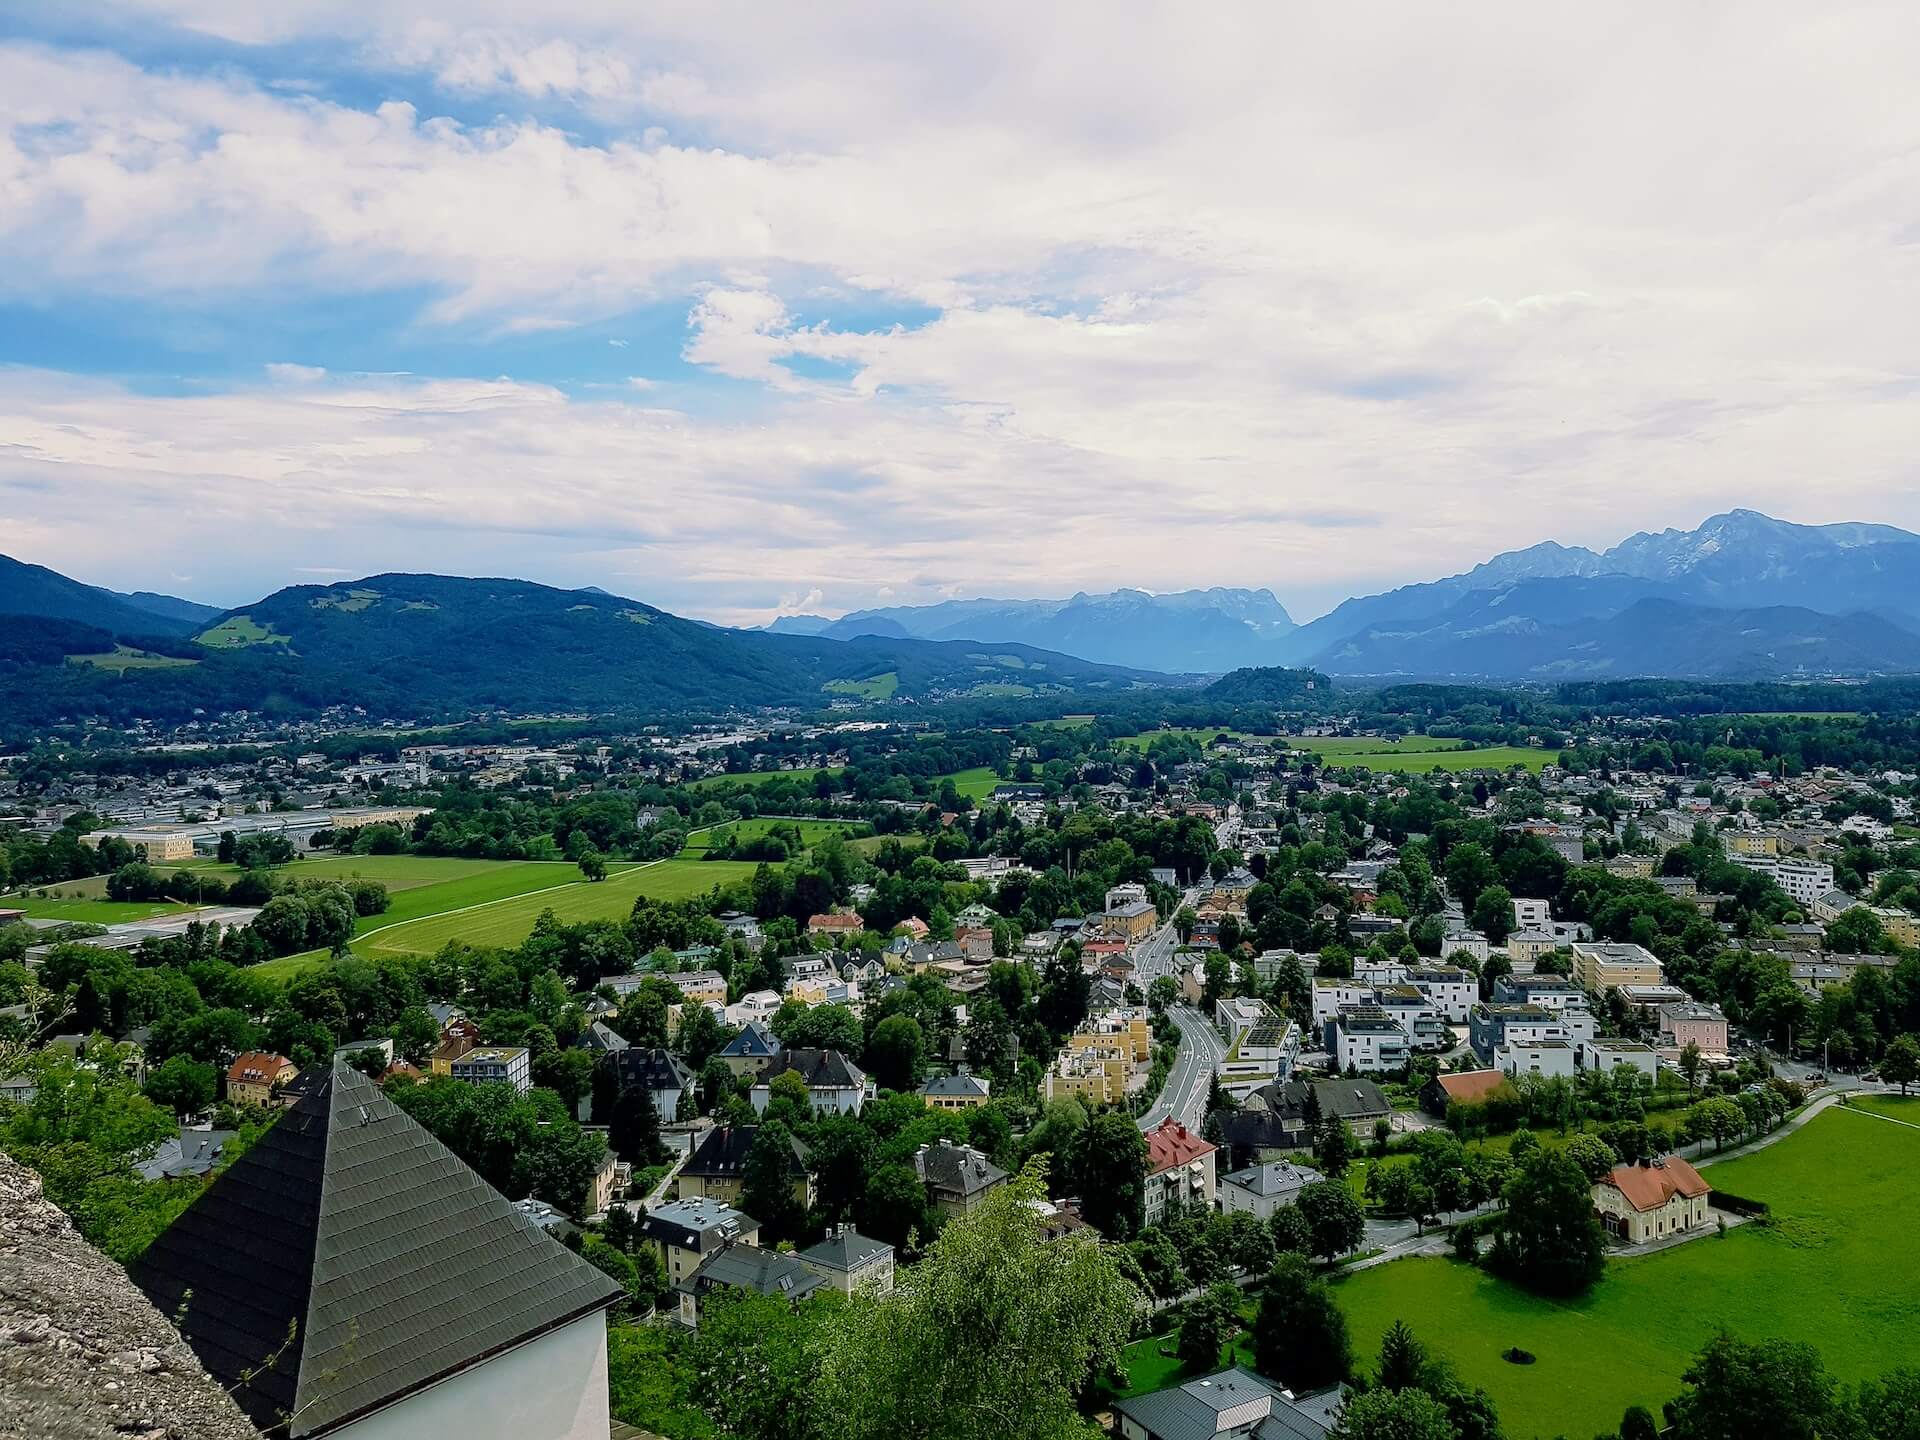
{"points": [[1741, 597]]}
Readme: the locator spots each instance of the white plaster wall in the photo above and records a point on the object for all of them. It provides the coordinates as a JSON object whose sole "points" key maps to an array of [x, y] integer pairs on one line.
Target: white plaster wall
{"points": [[554, 1388]]}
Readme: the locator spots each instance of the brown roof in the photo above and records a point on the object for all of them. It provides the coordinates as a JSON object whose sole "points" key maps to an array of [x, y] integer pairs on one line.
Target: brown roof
{"points": [[835, 922], [257, 1067], [1170, 1143], [1470, 1087], [1648, 1187]]}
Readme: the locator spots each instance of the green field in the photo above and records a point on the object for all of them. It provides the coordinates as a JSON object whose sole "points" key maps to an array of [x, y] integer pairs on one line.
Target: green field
{"points": [[874, 687], [1418, 754], [756, 778], [975, 784], [504, 922], [123, 658], [238, 632], [1200, 735], [1894, 1107], [90, 911], [812, 832], [1826, 1271], [396, 872]]}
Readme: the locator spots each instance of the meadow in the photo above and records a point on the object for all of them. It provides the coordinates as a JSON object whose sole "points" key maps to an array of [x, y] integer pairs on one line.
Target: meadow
{"points": [[89, 910], [509, 920], [976, 784], [812, 832], [1418, 754], [754, 779], [874, 687], [1843, 1193]]}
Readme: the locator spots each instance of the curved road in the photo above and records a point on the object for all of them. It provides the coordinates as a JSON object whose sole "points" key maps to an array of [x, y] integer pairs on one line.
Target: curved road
{"points": [[1184, 1096]]}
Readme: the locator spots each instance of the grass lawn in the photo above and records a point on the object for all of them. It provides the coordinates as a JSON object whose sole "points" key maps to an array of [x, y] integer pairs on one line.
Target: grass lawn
{"points": [[240, 631], [1198, 734], [508, 921], [1151, 1364], [396, 872], [976, 784], [812, 832], [753, 780], [123, 658], [874, 687], [1418, 754], [1894, 1107], [90, 911], [1843, 1192]]}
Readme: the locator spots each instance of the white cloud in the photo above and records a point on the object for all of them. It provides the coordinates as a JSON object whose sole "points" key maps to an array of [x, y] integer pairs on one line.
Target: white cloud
{"points": [[1298, 296]]}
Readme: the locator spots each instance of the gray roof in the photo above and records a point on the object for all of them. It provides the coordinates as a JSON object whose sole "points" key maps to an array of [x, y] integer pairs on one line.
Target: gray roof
{"points": [[821, 1069], [345, 1223], [847, 1250], [752, 1043], [191, 1152], [963, 1086], [748, 1267], [696, 1224], [959, 1168], [1193, 1411], [1275, 1178]]}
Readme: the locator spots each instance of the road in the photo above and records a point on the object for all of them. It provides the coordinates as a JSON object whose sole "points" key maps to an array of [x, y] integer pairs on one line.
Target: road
{"points": [[1184, 1096]]}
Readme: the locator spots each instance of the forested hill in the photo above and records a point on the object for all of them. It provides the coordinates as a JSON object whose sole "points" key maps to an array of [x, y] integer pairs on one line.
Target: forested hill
{"points": [[417, 646]]}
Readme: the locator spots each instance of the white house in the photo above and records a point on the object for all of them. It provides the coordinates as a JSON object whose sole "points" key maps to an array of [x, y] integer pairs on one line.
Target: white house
{"points": [[1260, 1190], [1656, 1198]]}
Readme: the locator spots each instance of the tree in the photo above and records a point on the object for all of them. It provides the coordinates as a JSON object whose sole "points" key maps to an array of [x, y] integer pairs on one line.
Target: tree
{"points": [[1593, 1155], [1690, 1062], [1332, 1146], [1109, 1172], [1901, 1064], [633, 1132], [766, 1184], [1733, 1384], [593, 864], [894, 1208], [1335, 1222], [1638, 1424], [1549, 1240], [1493, 913], [753, 1362], [1391, 1415], [1299, 1333], [1402, 1358], [1041, 1317], [184, 1085], [893, 1054], [1291, 1234], [1206, 1327]]}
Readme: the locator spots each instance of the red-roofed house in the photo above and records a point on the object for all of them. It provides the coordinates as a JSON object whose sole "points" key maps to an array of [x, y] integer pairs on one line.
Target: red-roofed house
{"points": [[835, 925], [1655, 1198], [252, 1076], [1179, 1170]]}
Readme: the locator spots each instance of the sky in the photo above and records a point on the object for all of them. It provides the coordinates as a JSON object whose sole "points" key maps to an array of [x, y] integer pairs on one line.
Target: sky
{"points": [[745, 310]]}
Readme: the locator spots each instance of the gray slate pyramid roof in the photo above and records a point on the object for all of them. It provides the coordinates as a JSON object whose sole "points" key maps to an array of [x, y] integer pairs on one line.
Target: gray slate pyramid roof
{"points": [[349, 1259]]}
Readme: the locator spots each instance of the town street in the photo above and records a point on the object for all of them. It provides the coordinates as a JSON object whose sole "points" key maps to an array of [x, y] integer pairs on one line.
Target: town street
{"points": [[1185, 1094]]}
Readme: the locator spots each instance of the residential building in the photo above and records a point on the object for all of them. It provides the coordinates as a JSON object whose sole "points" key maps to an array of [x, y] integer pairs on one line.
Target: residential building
{"points": [[1805, 881], [957, 1177], [1530, 947], [1235, 1404], [457, 1036], [496, 1065], [686, 1232], [1638, 1203], [1493, 1028], [840, 926], [1553, 993], [1608, 1056], [659, 1072], [1260, 1056], [1179, 1170], [252, 1076], [717, 1166], [1464, 1087], [835, 1085], [1234, 1017], [1901, 926], [962, 1090], [1367, 1041], [849, 1261], [744, 1268], [751, 1051], [188, 1155], [1532, 914], [1689, 1022], [1607, 965], [702, 987], [1537, 1057], [1260, 1190], [330, 1280], [1449, 990]]}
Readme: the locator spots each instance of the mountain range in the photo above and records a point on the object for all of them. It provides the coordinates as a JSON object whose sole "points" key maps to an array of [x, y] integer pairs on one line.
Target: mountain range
{"points": [[1742, 595], [434, 645], [1186, 631]]}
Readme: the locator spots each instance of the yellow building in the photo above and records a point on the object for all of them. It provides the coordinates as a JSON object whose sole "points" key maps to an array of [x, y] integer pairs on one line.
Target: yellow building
{"points": [[1083, 1077], [962, 1090], [252, 1076], [155, 843], [1126, 1025], [1599, 966], [1748, 842], [1902, 927]]}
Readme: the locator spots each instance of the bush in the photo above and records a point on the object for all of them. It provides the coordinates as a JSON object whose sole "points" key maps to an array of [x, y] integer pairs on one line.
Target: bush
{"points": [[1740, 1204]]}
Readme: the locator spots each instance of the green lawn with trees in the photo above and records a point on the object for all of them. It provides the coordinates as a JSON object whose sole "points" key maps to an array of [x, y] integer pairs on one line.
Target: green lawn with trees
{"points": [[1842, 1192], [1417, 754], [86, 911]]}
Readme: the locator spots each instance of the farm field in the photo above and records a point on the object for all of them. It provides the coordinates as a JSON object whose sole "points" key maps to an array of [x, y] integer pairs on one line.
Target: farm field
{"points": [[874, 687], [1843, 1192], [396, 872], [508, 921], [123, 658], [756, 778]]}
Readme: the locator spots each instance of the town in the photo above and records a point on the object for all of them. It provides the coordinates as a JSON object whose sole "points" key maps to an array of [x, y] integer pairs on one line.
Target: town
{"points": [[1274, 1051]]}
